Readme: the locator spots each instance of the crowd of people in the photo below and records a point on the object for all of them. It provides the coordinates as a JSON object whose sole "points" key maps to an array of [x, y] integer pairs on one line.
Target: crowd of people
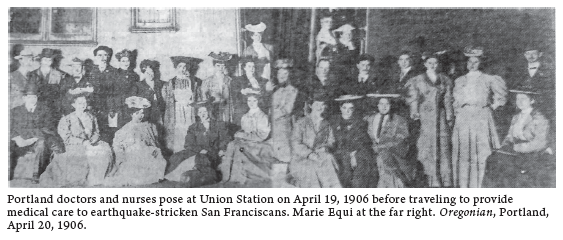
{"points": [[420, 123]]}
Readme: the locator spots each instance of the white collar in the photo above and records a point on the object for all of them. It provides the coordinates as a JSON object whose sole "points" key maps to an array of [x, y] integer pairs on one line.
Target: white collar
{"points": [[406, 70], [526, 111], [534, 64], [474, 73]]}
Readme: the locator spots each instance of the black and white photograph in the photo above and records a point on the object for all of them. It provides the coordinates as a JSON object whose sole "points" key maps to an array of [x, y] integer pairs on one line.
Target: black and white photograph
{"points": [[320, 97]]}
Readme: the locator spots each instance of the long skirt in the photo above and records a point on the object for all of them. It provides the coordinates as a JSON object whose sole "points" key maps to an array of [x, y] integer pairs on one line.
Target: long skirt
{"points": [[434, 149], [473, 139], [137, 166], [245, 161], [195, 170], [519, 170], [79, 166], [363, 175], [281, 136], [307, 173]]}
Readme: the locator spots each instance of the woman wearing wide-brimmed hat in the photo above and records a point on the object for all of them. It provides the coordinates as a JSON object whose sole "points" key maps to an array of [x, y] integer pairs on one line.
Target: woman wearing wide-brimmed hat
{"points": [[218, 87], [352, 148], [138, 159], [476, 96], [524, 158], [179, 93], [262, 53]]}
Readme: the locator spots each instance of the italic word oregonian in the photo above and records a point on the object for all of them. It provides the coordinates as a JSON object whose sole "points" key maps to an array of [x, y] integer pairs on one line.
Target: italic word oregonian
{"points": [[240, 199]]}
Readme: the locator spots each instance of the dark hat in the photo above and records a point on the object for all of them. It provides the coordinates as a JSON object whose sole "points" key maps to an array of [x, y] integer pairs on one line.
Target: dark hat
{"points": [[245, 60], [137, 102], [104, 48], [221, 56], [284, 63], [471, 51], [155, 65], [366, 57], [320, 96], [197, 105], [30, 89], [533, 45], [126, 53], [192, 64], [49, 53]]}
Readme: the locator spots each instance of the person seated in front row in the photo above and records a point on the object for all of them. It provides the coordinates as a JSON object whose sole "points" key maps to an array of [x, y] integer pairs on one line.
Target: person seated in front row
{"points": [[205, 144], [248, 157], [388, 132], [87, 158], [138, 159], [32, 130], [524, 159], [353, 152], [312, 165]]}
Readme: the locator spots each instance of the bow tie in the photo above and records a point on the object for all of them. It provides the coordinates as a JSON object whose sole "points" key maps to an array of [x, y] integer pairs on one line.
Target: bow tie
{"points": [[532, 68]]}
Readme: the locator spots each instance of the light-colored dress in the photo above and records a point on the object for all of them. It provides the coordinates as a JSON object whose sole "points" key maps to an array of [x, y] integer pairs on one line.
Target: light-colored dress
{"points": [[79, 165], [305, 140], [253, 162], [219, 88], [138, 159], [179, 116], [475, 135], [433, 102], [282, 107]]}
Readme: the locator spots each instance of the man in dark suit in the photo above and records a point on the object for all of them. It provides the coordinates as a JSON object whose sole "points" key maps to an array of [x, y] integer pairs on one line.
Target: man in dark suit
{"points": [[47, 79], [32, 129], [104, 77], [538, 76], [363, 81], [397, 79]]}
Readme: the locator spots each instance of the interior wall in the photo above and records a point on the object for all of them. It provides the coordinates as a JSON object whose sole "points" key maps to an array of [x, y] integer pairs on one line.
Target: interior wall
{"points": [[502, 32], [200, 31]]}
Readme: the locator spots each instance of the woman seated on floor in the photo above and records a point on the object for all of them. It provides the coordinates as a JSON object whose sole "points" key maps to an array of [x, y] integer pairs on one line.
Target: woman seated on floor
{"points": [[388, 132], [248, 157], [87, 159], [312, 164], [524, 159], [138, 159], [206, 142], [353, 152]]}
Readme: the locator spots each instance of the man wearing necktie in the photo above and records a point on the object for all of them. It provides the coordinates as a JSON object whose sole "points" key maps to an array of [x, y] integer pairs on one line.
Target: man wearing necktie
{"points": [[363, 81], [538, 76], [32, 130], [389, 133]]}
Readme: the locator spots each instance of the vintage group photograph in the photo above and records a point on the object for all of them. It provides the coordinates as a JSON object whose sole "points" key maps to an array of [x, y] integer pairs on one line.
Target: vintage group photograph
{"points": [[282, 97]]}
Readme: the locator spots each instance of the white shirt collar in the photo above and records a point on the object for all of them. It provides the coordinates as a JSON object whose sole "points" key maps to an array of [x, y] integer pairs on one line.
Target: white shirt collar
{"points": [[406, 70], [534, 64], [526, 111]]}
